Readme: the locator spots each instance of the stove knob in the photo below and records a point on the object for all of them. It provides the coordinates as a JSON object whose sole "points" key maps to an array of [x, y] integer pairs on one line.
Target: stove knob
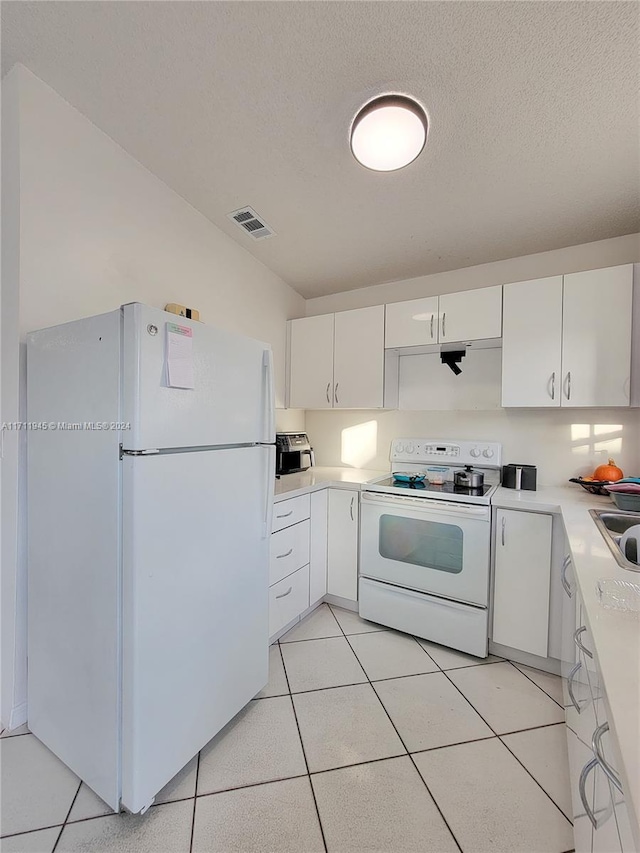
{"points": [[409, 448], [488, 452], [399, 447], [475, 452]]}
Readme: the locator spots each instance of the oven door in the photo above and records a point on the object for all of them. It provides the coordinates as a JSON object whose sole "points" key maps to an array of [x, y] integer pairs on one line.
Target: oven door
{"points": [[434, 546]]}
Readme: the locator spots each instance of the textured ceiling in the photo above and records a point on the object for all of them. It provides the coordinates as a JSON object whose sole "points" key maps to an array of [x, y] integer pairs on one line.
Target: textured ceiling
{"points": [[533, 107]]}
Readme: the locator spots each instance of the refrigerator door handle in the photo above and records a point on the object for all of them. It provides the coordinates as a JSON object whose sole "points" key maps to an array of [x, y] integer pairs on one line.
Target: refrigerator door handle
{"points": [[270, 427], [270, 470]]}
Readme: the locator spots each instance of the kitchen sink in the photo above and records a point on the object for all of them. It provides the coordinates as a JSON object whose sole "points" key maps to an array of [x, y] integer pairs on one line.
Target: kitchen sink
{"points": [[612, 525]]}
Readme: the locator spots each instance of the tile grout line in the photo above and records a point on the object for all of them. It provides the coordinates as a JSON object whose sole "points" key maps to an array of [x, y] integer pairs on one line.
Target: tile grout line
{"points": [[515, 666], [195, 800], [446, 823], [486, 722], [64, 823], [304, 754], [535, 780]]}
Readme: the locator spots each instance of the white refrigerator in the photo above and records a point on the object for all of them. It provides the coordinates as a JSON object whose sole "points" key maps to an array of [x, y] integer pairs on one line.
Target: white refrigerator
{"points": [[149, 512]]}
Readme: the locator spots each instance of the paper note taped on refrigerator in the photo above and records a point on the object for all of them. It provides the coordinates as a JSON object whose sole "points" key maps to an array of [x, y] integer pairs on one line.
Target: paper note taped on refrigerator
{"points": [[179, 356]]}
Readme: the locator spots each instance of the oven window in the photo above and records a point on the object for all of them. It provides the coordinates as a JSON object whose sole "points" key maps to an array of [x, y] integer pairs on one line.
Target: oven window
{"points": [[423, 543]]}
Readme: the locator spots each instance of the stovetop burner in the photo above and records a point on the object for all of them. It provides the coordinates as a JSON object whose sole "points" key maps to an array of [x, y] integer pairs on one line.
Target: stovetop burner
{"points": [[447, 488]]}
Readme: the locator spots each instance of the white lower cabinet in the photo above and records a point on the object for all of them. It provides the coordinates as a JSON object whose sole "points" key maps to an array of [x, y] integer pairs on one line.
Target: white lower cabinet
{"points": [[522, 575], [287, 599], [298, 558], [342, 557], [289, 550], [601, 822]]}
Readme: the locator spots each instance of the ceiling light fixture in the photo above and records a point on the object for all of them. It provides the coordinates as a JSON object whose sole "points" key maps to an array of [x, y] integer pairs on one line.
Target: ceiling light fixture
{"points": [[389, 132]]}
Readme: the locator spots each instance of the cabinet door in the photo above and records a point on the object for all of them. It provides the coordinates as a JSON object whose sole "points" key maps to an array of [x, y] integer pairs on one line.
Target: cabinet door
{"points": [[521, 581], [318, 551], [596, 337], [359, 358], [471, 315], [411, 324], [532, 343], [311, 362], [342, 564]]}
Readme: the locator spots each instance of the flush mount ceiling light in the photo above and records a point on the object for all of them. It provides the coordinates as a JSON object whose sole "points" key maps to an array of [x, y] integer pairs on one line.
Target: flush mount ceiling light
{"points": [[389, 133]]}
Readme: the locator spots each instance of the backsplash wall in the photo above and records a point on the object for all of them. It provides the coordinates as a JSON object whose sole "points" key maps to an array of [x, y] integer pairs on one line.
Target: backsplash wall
{"points": [[562, 443]]}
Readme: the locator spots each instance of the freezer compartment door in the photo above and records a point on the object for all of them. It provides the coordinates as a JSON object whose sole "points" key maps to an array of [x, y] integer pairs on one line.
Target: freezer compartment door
{"points": [[195, 604], [231, 401]]}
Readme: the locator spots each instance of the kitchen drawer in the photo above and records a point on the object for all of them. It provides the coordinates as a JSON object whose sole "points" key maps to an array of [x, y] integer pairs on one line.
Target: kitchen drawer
{"points": [[286, 513], [288, 599], [289, 550]]}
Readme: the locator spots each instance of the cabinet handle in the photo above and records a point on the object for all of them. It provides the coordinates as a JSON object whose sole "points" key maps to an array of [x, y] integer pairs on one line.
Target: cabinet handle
{"points": [[286, 514], [553, 385], [576, 640], [335, 394], [570, 678], [597, 751], [285, 594], [563, 576], [504, 524], [280, 556], [568, 386], [328, 397], [444, 319], [431, 330], [588, 767], [351, 508]]}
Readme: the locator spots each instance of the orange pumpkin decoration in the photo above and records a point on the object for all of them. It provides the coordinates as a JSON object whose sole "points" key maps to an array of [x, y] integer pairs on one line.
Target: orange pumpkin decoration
{"points": [[609, 472]]}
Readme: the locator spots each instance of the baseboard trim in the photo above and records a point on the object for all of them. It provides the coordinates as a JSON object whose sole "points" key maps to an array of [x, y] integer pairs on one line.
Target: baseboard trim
{"points": [[339, 601]]}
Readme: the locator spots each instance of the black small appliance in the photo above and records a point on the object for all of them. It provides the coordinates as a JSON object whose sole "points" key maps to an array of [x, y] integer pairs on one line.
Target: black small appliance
{"points": [[293, 452]]}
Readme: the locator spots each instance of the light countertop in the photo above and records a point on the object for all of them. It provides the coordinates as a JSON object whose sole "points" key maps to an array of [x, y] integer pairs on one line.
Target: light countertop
{"points": [[292, 485]]}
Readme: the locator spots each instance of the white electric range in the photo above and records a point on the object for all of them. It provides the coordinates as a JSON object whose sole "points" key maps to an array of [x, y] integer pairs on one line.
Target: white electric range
{"points": [[425, 547]]}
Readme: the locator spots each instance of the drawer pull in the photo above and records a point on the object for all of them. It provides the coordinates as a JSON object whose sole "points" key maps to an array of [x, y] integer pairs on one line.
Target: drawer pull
{"points": [[563, 576], [597, 751], [286, 514], [576, 639], [280, 556], [570, 678], [285, 594]]}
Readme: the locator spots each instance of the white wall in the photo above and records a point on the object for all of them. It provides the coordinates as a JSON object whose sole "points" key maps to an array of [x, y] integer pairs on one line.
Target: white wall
{"points": [[563, 443], [588, 256], [97, 230]]}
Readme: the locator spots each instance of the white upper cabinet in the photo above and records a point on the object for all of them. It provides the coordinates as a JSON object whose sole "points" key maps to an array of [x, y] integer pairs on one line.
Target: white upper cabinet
{"points": [[567, 340], [337, 360], [596, 337], [358, 367], [532, 343], [311, 362], [471, 315], [412, 324]]}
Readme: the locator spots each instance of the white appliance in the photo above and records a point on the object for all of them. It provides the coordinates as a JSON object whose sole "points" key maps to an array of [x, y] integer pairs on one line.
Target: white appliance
{"points": [[148, 545], [424, 546]]}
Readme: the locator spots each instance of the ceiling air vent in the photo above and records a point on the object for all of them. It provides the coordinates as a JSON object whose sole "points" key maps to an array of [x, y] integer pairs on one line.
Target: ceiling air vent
{"points": [[247, 219]]}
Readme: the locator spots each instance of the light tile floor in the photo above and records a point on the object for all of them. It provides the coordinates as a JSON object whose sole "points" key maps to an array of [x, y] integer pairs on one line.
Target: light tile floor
{"points": [[363, 740]]}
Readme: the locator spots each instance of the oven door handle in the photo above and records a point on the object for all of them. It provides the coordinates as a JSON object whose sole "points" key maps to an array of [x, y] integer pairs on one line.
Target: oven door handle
{"points": [[426, 506]]}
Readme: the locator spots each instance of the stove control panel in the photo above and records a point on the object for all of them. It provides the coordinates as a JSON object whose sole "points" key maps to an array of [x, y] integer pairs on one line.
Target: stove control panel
{"points": [[421, 450]]}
